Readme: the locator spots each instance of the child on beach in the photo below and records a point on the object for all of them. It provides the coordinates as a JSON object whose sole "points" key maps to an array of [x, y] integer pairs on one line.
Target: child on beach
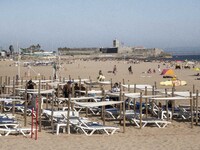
{"points": [[100, 77]]}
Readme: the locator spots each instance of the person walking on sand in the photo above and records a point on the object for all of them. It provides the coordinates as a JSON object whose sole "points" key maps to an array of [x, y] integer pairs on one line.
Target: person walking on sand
{"points": [[114, 69], [130, 70]]}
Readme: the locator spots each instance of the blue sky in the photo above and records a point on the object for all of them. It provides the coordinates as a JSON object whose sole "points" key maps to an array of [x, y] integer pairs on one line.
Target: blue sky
{"points": [[95, 23]]}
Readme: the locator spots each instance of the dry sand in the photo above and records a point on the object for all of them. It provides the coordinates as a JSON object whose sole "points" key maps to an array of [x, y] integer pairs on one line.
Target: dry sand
{"points": [[177, 136]]}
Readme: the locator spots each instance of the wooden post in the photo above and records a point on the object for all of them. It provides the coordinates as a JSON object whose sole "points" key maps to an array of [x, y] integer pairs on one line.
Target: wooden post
{"points": [[21, 81], [6, 83], [134, 88], [1, 85], [25, 105], [167, 105], [155, 84], [123, 84], [128, 98], [8, 89], [1, 91], [193, 97], [134, 106], [58, 95], [52, 111], [13, 103], [40, 105], [153, 90], [146, 102], [124, 111], [140, 110], [47, 96], [90, 86], [79, 93], [68, 114], [104, 111], [120, 98], [191, 107], [152, 103], [73, 95], [173, 102], [197, 106], [111, 83]]}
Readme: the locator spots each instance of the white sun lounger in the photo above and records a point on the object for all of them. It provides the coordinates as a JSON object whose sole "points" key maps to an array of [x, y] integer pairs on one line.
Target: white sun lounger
{"points": [[19, 130], [158, 122], [90, 128]]}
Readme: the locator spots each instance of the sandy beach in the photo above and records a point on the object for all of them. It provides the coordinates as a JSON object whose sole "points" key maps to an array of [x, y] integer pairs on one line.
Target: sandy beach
{"points": [[176, 136]]}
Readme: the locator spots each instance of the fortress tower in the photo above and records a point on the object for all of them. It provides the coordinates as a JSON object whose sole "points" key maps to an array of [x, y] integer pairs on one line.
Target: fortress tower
{"points": [[116, 43]]}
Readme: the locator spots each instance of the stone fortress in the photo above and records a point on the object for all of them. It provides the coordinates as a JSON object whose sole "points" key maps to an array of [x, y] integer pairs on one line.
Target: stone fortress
{"points": [[118, 50]]}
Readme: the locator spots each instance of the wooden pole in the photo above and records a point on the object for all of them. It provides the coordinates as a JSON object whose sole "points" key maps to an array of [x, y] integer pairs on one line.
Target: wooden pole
{"points": [[58, 95], [128, 98], [40, 106], [197, 106], [68, 114], [152, 103], [191, 107], [173, 102], [104, 111], [111, 83], [193, 97], [13, 103], [79, 94], [123, 84], [120, 98], [25, 106], [8, 89], [1, 85], [1, 91], [155, 84], [6, 83], [124, 111], [52, 111], [167, 105], [47, 96], [140, 110], [21, 81], [146, 102], [134, 88]]}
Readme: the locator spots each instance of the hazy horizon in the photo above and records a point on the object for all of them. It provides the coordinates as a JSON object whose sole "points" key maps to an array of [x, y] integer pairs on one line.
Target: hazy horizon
{"points": [[93, 23]]}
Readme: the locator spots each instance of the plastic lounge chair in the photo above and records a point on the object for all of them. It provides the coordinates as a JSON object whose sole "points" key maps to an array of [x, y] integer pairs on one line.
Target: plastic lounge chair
{"points": [[7, 131], [19, 107], [7, 120], [63, 124], [89, 128], [158, 122]]}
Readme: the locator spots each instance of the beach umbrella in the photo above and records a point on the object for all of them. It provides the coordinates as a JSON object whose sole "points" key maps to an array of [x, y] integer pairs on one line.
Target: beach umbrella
{"points": [[168, 73], [196, 69]]}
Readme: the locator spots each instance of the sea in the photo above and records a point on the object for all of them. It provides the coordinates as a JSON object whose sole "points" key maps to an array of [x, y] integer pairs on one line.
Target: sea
{"points": [[186, 57]]}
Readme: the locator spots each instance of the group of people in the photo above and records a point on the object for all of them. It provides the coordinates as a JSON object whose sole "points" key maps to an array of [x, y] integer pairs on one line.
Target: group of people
{"points": [[67, 89], [150, 71]]}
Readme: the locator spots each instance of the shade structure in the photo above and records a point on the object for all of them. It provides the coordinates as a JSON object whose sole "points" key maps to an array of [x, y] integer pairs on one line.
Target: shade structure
{"points": [[97, 104]]}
